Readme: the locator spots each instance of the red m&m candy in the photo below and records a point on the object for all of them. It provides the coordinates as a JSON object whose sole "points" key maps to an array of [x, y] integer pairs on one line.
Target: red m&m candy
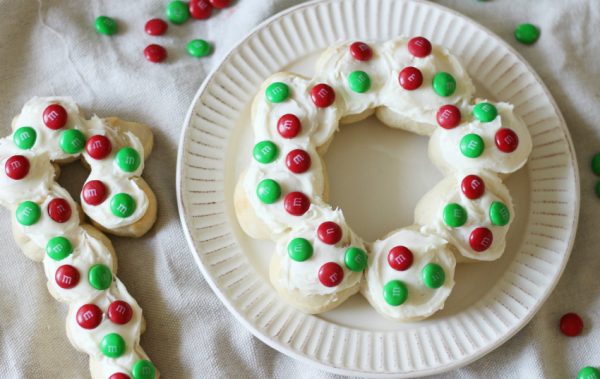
{"points": [[94, 192], [481, 239], [419, 47], [55, 116], [157, 26], [59, 210], [322, 95], [507, 140], [448, 116], [571, 324], [288, 126], [200, 9], [472, 186], [155, 53], [297, 161], [331, 274], [361, 51], [66, 276], [98, 146], [400, 258], [16, 167], [296, 203], [119, 375], [119, 312], [89, 316], [329, 232], [410, 78], [220, 4]]}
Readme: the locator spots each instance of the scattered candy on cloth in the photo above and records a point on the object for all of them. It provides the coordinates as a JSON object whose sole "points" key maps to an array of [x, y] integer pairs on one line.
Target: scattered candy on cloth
{"points": [[53, 48]]}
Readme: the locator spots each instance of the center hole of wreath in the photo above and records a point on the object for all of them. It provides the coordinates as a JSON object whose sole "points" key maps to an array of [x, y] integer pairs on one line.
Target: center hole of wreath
{"points": [[73, 177], [377, 175]]}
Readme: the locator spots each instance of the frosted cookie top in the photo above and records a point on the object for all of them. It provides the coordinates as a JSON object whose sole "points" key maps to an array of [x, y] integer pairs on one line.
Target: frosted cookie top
{"points": [[411, 273], [52, 130]]}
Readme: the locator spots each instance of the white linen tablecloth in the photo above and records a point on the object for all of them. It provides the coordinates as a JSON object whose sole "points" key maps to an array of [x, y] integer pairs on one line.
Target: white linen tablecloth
{"points": [[51, 48]]}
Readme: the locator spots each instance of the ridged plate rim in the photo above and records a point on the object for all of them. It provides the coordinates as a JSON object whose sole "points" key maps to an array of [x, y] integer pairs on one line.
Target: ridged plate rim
{"points": [[209, 272]]}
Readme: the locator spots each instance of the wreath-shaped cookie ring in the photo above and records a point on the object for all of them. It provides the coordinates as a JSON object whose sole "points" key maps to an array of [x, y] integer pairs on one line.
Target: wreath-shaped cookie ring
{"points": [[408, 84]]}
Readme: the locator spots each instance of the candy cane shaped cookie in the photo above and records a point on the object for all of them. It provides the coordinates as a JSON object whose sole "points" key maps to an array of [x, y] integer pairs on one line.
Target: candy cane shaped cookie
{"points": [[103, 321]]}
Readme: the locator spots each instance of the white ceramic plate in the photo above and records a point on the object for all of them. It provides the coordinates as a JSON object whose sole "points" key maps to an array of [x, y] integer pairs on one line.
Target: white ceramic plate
{"points": [[377, 174]]}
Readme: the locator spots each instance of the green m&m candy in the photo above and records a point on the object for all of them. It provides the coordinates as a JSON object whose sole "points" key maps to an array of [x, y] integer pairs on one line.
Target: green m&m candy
{"points": [[444, 84], [25, 137], [128, 159], [265, 152], [596, 164], [198, 48], [454, 215], [178, 12], [58, 248], [143, 369], [277, 92], [355, 259], [268, 191], [471, 145], [72, 141], [299, 249], [395, 292], [499, 213], [433, 275], [359, 81], [28, 213], [100, 277], [527, 33], [589, 372], [112, 345], [106, 25], [122, 205], [485, 112]]}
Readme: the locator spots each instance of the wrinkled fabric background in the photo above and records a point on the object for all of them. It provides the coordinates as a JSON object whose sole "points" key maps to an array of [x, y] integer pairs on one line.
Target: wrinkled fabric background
{"points": [[51, 48]]}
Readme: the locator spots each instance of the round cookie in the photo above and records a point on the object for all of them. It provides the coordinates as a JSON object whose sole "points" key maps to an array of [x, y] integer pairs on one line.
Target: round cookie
{"points": [[319, 264], [491, 137], [410, 274], [472, 211]]}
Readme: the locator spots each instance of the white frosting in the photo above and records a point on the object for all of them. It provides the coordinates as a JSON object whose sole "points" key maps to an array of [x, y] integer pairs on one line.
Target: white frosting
{"points": [[303, 276], [39, 186], [429, 211], [310, 183], [318, 124], [115, 179], [421, 301], [47, 140], [88, 340], [446, 143], [421, 104], [87, 252], [46, 227], [105, 367], [38, 181], [335, 66]]}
